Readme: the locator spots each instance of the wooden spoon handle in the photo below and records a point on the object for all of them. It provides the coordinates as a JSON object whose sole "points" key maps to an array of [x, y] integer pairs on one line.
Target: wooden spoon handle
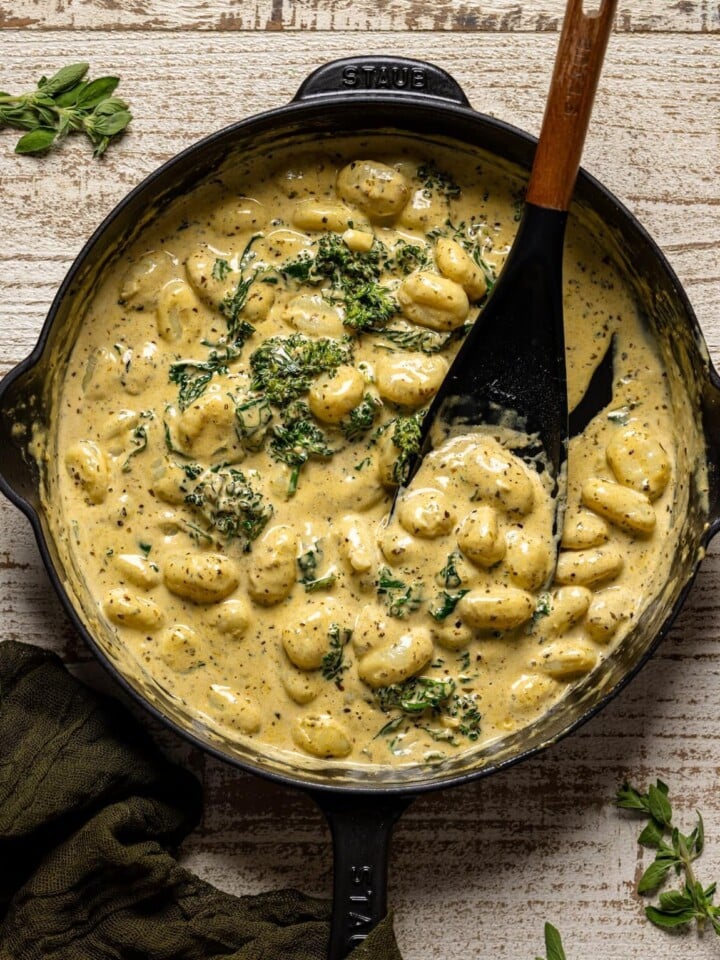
{"points": [[572, 90]]}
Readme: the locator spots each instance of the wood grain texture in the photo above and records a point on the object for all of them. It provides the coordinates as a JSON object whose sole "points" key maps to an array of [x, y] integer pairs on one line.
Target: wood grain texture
{"points": [[503, 16], [476, 871]]}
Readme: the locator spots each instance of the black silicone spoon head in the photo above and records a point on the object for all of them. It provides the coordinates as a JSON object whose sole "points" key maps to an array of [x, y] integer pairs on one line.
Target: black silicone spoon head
{"points": [[510, 372]]}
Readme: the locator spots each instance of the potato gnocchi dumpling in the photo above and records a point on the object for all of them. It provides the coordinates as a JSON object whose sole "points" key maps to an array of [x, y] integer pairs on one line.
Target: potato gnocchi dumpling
{"points": [[243, 402]]}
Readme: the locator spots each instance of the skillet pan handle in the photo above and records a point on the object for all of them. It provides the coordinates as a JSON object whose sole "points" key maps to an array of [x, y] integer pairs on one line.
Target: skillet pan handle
{"points": [[361, 829], [381, 76]]}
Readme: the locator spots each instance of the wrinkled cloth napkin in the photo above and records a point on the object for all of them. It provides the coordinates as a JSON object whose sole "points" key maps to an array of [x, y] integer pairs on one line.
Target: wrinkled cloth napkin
{"points": [[89, 814]]}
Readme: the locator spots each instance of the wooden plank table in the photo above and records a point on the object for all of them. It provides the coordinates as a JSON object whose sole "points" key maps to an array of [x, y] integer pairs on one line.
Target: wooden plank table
{"points": [[475, 871]]}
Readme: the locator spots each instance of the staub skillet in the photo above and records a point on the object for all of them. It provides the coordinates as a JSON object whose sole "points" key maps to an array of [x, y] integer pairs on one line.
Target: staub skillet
{"points": [[422, 101]]}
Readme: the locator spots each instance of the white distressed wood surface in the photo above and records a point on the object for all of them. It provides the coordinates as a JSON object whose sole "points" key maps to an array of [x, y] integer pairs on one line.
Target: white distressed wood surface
{"points": [[502, 16], [477, 870]]}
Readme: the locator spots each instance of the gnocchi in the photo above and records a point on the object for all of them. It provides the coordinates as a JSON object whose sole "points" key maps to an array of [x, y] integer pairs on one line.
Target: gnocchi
{"points": [[201, 578], [88, 467], [376, 188], [244, 400], [433, 301]]}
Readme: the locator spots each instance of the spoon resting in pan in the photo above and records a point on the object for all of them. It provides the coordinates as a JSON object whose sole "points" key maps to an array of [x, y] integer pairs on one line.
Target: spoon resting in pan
{"points": [[510, 372]]}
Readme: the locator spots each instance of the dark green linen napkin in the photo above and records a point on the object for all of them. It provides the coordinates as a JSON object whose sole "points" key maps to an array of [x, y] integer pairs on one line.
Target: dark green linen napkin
{"points": [[89, 814]]}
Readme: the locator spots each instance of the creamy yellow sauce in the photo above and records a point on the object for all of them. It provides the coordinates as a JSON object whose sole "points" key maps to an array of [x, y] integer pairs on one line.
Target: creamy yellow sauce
{"points": [[223, 490]]}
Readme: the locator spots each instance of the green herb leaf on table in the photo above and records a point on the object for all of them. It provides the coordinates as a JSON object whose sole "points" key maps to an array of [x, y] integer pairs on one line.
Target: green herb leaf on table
{"points": [[553, 944], [674, 852], [62, 104]]}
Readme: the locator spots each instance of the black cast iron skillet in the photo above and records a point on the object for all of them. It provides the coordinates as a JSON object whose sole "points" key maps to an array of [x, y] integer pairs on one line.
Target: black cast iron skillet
{"points": [[362, 95]]}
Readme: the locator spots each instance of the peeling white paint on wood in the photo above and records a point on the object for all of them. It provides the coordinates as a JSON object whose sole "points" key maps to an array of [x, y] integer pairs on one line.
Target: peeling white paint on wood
{"points": [[476, 871], [355, 15]]}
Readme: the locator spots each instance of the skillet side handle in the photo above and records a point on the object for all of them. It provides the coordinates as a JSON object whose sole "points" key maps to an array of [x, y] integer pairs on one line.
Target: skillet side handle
{"points": [[361, 828], [382, 76], [711, 428]]}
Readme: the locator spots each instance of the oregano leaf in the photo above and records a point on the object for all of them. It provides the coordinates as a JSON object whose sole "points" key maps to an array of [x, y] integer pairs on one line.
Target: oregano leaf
{"points": [[659, 805], [66, 77], [36, 141], [553, 943], [652, 835], [654, 876], [661, 919]]}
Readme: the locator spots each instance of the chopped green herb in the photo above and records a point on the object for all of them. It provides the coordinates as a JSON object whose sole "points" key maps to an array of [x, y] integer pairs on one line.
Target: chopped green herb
{"points": [[449, 575], [542, 608], [406, 437], [420, 341], [335, 262], [409, 257], [239, 329], [170, 446], [145, 547], [252, 422], [139, 441], [363, 463], [333, 663], [415, 695], [400, 598], [466, 711], [437, 181], [464, 661], [390, 727], [193, 376], [446, 604], [192, 470], [221, 268], [308, 563], [467, 236], [299, 269]]}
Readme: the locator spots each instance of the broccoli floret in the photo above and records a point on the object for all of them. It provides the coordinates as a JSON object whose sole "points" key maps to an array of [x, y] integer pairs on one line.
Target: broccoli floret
{"points": [[406, 436], [229, 505], [359, 420], [283, 367], [409, 257], [369, 305], [297, 439]]}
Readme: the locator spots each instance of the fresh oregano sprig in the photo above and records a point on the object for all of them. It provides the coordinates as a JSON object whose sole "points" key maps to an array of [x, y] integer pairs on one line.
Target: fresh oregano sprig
{"points": [[553, 944], [63, 104], [674, 851]]}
